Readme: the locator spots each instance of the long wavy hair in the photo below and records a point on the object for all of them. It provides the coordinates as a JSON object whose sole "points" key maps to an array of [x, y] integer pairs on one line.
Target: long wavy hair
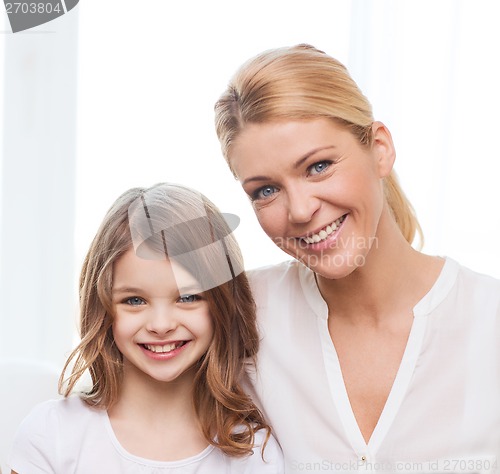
{"points": [[227, 415], [303, 83]]}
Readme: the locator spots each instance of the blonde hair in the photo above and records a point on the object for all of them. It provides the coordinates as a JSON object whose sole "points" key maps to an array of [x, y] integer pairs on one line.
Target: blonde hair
{"points": [[302, 82], [227, 415]]}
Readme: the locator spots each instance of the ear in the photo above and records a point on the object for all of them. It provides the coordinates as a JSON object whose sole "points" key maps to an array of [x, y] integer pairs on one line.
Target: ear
{"points": [[383, 149]]}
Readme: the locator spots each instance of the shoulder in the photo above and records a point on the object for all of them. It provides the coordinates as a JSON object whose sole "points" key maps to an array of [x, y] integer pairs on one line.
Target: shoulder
{"points": [[285, 290], [465, 294], [66, 409], [484, 289], [267, 445], [267, 457], [38, 437], [36, 444], [54, 416], [281, 275], [278, 269], [270, 456], [53, 411]]}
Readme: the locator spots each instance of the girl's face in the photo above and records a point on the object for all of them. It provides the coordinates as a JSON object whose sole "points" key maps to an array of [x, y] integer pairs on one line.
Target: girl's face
{"points": [[162, 325], [316, 191]]}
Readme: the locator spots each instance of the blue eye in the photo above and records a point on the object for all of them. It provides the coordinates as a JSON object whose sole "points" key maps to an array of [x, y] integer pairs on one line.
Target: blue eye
{"points": [[319, 167], [189, 298], [134, 301], [264, 192]]}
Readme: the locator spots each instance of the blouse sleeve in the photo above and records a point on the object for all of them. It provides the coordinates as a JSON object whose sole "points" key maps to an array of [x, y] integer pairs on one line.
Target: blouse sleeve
{"points": [[34, 448], [268, 461]]}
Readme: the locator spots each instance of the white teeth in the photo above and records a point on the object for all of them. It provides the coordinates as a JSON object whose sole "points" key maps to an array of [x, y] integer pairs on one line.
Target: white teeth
{"points": [[324, 233], [162, 349]]}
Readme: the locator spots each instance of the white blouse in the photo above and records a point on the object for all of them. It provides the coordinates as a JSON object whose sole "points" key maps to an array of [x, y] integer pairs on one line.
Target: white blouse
{"points": [[443, 411]]}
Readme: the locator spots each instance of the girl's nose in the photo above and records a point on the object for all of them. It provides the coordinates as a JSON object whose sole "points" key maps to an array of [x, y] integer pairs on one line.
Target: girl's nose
{"points": [[161, 320]]}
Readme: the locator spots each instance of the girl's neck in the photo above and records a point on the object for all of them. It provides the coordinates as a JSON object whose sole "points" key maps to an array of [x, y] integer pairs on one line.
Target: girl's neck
{"points": [[156, 420], [392, 281]]}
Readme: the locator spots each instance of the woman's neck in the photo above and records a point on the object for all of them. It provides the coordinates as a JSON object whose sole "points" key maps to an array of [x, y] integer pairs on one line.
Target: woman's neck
{"points": [[392, 281]]}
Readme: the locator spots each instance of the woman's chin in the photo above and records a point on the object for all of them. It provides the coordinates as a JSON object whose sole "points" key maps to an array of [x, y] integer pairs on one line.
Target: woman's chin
{"points": [[332, 267]]}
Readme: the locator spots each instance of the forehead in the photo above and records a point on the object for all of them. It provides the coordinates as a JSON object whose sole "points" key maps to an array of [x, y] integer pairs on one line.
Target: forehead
{"points": [[283, 142], [154, 274]]}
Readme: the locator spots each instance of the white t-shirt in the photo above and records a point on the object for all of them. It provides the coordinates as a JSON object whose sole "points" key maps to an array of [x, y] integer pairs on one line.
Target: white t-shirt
{"points": [[443, 412], [68, 437]]}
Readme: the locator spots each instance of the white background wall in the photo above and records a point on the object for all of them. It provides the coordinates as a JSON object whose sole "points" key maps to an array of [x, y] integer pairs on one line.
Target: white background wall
{"points": [[120, 93]]}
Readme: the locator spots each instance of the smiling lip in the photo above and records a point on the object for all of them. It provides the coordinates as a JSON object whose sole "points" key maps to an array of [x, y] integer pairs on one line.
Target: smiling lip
{"points": [[163, 351], [325, 234]]}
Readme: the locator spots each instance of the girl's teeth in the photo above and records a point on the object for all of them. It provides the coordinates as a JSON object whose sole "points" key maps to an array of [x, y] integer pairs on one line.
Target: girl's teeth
{"points": [[161, 349], [324, 233]]}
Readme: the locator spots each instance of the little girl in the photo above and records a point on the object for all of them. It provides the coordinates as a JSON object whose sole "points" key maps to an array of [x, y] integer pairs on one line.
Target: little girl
{"points": [[167, 328]]}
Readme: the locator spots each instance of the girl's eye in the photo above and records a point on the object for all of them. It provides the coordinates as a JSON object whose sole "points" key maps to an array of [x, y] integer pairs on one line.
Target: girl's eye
{"points": [[134, 301], [319, 167], [263, 193], [189, 298]]}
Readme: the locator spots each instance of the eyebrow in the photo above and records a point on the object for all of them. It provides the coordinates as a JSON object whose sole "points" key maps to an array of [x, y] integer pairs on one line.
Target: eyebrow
{"points": [[296, 165], [125, 289], [188, 288]]}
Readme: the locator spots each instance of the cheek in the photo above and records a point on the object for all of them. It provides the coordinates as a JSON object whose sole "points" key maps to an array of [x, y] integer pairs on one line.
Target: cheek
{"points": [[121, 329], [376, 189], [118, 338], [365, 190], [271, 220], [206, 327], [211, 330], [117, 331]]}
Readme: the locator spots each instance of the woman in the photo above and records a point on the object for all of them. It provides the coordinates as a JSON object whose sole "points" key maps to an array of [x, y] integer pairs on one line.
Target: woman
{"points": [[374, 356]]}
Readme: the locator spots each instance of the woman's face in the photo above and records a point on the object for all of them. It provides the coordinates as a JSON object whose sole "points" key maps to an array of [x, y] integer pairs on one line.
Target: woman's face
{"points": [[316, 191]]}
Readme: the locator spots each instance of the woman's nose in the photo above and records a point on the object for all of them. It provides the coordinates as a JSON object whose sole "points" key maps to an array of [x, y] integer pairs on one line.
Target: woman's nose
{"points": [[302, 205]]}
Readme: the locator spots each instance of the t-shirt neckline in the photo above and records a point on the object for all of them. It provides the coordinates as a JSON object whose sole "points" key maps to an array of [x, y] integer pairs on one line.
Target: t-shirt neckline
{"points": [[150, 462]]}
